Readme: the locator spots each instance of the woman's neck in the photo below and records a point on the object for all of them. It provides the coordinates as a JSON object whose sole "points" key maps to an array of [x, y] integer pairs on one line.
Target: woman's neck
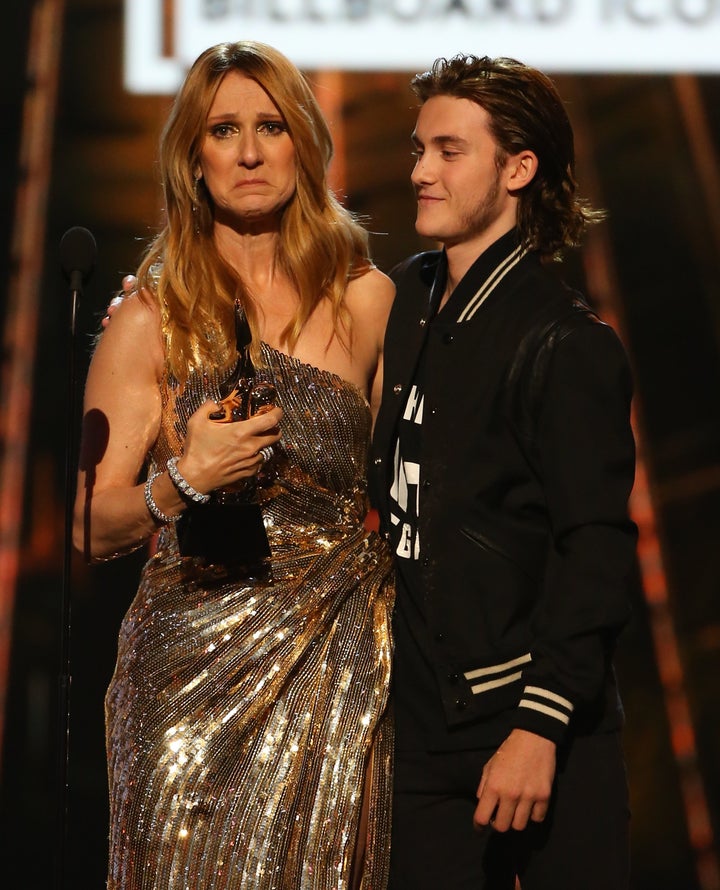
{"points": [[252, 253]]}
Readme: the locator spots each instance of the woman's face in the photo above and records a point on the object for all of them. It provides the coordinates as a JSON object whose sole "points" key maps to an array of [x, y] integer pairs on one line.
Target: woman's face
{"points": [[247, 160]]}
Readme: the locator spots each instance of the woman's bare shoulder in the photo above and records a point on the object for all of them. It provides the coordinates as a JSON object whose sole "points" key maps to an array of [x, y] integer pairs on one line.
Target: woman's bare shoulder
{"points": [[134, 334], [370, 295]]}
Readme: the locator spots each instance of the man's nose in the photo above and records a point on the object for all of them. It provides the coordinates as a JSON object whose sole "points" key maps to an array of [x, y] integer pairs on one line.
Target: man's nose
{"points": [[422, 171]]}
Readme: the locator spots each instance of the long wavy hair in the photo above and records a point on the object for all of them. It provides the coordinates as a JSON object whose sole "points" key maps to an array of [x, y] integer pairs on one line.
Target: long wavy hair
{"points": [[526, 112], [321, 245]]}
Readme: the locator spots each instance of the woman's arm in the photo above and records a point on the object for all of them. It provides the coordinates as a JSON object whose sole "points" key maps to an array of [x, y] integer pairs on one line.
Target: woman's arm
{"points": [[369, 300], [121, 423], [121, 420]]}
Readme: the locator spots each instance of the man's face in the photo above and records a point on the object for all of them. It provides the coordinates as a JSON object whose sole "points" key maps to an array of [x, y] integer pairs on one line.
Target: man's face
{"points": [[461, 193]]}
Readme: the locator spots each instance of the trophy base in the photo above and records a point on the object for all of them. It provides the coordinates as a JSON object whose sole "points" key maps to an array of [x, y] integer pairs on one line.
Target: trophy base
{"points": [[226, 541]]}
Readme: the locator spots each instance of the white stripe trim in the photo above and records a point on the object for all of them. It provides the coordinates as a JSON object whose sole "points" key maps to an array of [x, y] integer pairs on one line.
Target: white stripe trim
{"points": [[551, 696], [497, 668], [489, 285], [544, 709], [493, 684]]}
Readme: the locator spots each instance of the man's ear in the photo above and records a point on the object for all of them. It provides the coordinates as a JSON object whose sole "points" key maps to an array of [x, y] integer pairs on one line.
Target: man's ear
{"points": [[521, 169]]}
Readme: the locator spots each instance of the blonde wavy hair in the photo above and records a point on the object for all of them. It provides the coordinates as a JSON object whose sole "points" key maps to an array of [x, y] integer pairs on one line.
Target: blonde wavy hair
{"points": [[321, 245]]}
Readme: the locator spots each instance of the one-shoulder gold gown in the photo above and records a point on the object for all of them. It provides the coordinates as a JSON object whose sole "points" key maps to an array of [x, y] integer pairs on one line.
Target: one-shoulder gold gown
{"points": [[241, 718]]}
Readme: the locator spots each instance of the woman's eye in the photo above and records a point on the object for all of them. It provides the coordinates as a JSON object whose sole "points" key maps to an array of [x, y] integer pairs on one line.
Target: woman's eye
{"points": [[223, 131], [273, 128]]}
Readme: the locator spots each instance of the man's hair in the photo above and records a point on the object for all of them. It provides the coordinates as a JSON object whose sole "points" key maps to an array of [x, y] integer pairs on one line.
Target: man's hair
{"points": [[526, 112]]}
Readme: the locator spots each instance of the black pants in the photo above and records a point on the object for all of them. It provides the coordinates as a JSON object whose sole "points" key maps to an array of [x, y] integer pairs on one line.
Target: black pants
{"points": [[581, 845]]}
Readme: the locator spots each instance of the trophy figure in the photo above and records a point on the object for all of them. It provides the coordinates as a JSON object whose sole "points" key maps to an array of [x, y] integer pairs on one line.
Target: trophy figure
{"points": [[226, 535]]}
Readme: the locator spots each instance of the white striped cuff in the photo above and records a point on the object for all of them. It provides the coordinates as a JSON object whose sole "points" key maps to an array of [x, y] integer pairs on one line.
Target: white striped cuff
{"points": [[545, 702], [496, 675]]}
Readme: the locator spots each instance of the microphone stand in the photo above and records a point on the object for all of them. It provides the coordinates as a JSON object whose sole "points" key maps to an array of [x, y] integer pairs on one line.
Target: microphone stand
{"points": [[78, 250], [65, 618]]}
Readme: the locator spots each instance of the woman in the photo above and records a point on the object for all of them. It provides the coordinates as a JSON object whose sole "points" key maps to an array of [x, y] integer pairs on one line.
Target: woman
{"points": [[245, 719]]}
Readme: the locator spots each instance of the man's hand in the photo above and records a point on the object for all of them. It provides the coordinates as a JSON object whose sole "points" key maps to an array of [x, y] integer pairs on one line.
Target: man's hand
{"points": [[516, 782], [129, 284]]}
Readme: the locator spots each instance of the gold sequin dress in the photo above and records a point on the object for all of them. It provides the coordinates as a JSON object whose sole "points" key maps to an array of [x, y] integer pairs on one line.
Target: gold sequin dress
{"points": [[241, 718]]}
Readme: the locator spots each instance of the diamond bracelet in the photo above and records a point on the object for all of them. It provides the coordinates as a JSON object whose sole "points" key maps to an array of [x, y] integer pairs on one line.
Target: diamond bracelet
{"points": [[153, 508], [183, 486]]}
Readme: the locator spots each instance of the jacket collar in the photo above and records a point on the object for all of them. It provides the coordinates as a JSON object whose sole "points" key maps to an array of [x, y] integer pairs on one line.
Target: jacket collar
{"points": [[481, 279]]}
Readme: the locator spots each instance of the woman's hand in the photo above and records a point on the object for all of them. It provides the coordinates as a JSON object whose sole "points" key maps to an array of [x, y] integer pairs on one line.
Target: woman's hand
{"points": [[216, 455]]}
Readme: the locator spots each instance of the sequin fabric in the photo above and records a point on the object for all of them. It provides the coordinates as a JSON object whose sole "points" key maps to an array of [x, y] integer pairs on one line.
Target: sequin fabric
{"points": [[241, 718]]}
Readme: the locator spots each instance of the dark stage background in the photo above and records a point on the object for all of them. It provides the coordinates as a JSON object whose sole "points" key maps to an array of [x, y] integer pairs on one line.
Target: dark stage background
{"points": [[648, 151]]}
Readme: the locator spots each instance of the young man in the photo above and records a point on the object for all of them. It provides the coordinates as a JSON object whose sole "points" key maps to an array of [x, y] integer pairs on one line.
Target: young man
{"points": [[503, 462]]}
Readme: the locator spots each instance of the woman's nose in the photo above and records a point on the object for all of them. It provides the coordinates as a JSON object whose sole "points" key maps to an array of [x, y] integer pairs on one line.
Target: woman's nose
{"points": [[250, 154]]}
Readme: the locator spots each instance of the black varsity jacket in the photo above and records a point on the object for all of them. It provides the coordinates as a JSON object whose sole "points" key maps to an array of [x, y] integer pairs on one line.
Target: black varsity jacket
{"points": [[527, 463]]}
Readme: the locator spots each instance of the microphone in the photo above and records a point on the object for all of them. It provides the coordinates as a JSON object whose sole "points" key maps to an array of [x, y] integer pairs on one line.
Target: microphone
{"points": [[77, 256]]}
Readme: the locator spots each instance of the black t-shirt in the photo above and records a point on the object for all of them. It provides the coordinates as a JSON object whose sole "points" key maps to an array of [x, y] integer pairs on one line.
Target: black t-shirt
{"points": [[418, 711]]}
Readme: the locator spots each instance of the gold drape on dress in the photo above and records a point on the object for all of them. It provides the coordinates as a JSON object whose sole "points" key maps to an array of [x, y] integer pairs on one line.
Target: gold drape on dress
{"points": [[241, 717]]}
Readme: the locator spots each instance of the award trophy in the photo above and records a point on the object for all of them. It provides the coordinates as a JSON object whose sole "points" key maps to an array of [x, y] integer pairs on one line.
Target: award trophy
{"points": [[226, 535]]}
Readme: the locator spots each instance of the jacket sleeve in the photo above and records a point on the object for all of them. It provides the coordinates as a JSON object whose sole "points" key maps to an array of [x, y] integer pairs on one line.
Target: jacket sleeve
{"points": [[585, 457]]}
